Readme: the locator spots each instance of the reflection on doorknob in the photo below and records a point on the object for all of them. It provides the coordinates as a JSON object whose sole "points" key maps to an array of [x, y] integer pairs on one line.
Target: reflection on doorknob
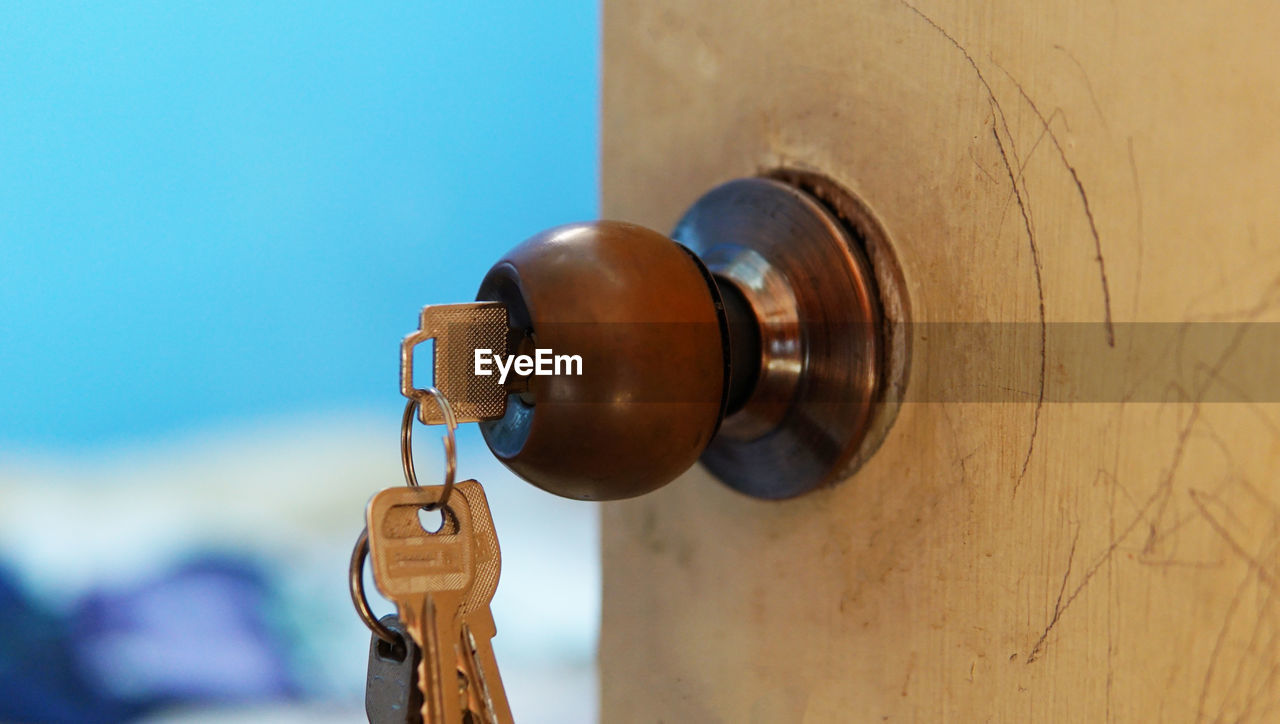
{"points": [[751, 338]]}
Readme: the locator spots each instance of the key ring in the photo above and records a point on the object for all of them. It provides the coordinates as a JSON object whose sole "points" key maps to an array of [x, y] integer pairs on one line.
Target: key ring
{"points": [[450, 443], [355, 581], [355, 572]]}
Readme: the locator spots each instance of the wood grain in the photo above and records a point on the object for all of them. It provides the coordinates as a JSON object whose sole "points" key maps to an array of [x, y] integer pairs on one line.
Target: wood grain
{"points": [[1036, 560]]}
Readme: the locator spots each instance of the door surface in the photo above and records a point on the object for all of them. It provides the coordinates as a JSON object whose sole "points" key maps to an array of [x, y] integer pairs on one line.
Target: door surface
{"points": [[1082, 552]]}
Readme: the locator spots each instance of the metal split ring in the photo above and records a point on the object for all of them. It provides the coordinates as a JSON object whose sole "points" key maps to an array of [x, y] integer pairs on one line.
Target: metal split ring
{"points": [[356, 584], [450, 443]]}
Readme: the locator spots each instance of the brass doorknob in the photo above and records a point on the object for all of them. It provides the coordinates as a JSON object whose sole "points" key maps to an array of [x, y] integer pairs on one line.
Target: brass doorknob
{"points": [[749, 338]]}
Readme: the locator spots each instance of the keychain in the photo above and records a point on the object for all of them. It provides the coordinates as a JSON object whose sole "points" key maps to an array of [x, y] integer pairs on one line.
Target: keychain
{"points": [[432, 662]]}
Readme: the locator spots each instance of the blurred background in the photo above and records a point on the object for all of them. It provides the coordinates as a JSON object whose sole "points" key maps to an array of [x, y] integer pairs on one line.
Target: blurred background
{"points": [[217, 220]]}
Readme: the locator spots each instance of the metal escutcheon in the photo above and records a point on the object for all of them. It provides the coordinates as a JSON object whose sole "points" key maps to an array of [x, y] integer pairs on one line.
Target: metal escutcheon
{"points": [[810, 290]]}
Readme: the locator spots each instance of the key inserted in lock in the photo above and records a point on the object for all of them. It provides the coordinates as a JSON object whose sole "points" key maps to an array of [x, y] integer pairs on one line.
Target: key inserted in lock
{"points": [[458, 331]]}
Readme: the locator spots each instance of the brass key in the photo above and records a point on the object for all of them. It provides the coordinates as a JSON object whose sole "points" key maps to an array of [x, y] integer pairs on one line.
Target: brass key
{"points": [[458, 330], [428, 576], [479, 628]]}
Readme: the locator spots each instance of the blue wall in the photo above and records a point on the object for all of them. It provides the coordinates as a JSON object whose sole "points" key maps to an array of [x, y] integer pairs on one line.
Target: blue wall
{"points": [[215, 212]]}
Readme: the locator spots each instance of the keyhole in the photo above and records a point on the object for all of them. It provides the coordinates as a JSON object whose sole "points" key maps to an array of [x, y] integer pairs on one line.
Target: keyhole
{"points": [[432, 521]]}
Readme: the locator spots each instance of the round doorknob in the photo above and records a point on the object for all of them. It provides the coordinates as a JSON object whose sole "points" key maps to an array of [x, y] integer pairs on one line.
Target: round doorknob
{"points": [[644, 318], [750, 338]]}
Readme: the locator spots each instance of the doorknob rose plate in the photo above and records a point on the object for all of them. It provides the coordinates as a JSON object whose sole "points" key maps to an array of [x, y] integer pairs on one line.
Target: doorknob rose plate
{"points": [[813, 294]]}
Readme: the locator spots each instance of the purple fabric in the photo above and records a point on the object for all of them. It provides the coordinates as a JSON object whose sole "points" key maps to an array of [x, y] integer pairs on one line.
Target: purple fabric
{"points": [[200, 634]]}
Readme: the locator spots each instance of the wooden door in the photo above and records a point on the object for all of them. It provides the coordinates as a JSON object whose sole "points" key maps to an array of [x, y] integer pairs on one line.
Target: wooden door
{"points": [[1054, 558]]}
